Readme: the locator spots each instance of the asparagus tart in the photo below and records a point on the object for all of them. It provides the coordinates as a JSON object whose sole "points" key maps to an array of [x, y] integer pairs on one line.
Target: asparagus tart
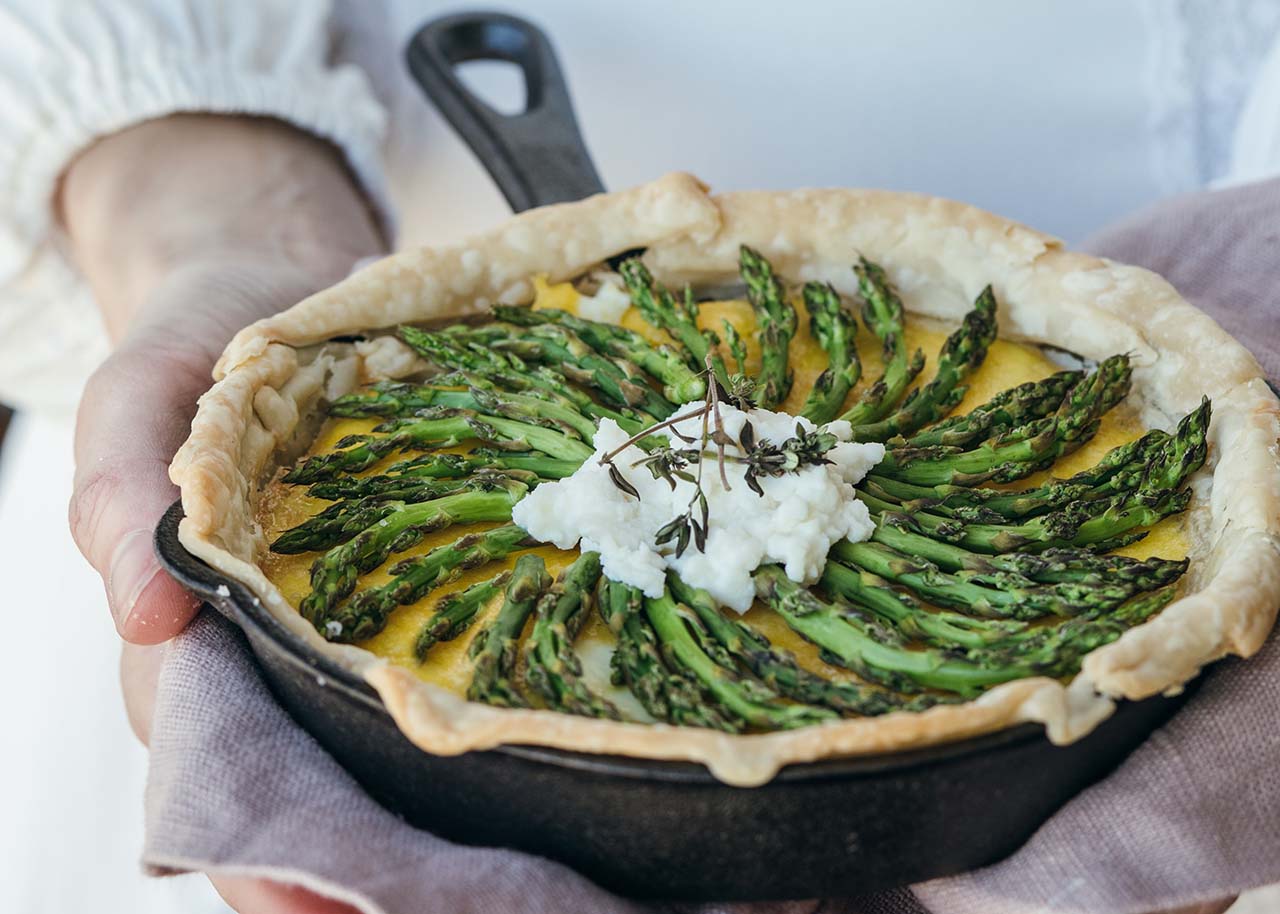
{"points": [[807, 474]]}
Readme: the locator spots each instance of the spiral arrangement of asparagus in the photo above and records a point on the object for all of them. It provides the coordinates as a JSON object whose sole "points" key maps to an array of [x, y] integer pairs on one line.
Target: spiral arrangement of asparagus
{"points": [[962, 586]]}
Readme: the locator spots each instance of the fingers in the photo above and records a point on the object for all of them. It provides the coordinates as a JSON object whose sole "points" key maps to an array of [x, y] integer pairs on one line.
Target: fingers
{"points": [[139, 676], [261, 896], [135, 411]]}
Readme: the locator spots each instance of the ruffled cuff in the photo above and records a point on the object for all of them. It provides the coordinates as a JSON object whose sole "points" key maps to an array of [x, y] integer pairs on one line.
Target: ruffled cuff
{"points": [[91, 69], [1255, 146], [74, 70]]}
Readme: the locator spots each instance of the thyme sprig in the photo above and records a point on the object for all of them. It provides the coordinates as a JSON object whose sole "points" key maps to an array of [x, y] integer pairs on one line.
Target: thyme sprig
{"points": [[762, 458], [767, 459]]}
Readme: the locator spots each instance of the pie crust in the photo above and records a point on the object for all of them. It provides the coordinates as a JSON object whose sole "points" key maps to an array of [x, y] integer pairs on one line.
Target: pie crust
{"points": [[273, 377]]}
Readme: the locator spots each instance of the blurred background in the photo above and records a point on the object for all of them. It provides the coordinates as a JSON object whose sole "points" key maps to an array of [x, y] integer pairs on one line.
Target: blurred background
{"points": [[1064, 116]]}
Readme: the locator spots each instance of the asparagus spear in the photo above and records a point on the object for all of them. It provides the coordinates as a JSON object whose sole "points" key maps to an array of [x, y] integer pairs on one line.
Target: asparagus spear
{"points": [[1057, 650], [678, 317], [1047, 651], [775, 326], [617, 379], [365, 614], [836, 331], [1006, 410], [1079, 524], [874, 653], [992, 596], [779, 670], [1183, 454], [455, 613], [1151, 464], [520, 406], [961, 354], [1023, 450], [435, 429], [1052, 566], [493, 678], [666, 694], [473, 366], [393, 398], [455, 352], [1120, 470], [747, 700], [941, 629], [882, 312], [341, 521], [500, 350], [680, 383], [334, 574], [542, 380], [446, 466], [1147, 492], [552, 669], [737, 348], [403, 400]]}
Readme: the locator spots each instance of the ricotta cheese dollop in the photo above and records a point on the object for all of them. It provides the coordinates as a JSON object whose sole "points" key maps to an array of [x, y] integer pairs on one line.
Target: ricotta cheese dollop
{"points": [[801, 513], [610, 302]]}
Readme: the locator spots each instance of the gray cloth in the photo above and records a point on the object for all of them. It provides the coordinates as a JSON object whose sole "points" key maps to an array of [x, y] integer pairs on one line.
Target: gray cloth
{"points": [[1192, 816]]}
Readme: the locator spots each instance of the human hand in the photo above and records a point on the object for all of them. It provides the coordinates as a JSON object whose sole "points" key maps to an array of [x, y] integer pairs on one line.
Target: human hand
{"points": [[187, 229]]}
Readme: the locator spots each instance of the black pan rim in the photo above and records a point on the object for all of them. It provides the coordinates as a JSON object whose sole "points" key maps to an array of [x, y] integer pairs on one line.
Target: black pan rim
{"points": [[235, 601]]}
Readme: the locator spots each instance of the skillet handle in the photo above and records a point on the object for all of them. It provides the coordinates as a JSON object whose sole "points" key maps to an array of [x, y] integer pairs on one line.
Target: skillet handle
{"points": [[535, 157]]}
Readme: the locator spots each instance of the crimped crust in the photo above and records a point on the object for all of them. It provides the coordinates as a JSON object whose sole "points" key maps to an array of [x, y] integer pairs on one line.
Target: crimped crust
{"points": [[939, 253]]}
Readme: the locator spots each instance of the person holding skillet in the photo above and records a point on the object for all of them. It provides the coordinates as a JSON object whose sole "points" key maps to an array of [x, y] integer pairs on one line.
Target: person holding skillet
{"points": [[228, 165]]}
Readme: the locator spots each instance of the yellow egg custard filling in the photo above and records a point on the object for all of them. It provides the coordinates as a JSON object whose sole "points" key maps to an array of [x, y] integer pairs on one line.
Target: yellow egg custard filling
{"points": [[448, 663]]}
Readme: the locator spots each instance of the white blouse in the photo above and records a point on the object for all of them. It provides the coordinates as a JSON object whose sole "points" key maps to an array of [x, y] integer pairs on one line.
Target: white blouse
{"points": [[1061, 115]]}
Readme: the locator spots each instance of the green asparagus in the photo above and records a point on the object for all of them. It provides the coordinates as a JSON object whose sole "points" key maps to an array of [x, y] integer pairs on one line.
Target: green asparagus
{"points": [[365, 614], [334, 574], [747, 700], [525, 467], [436, 429], [678, 317], [775, 326], [1052, 566], [837, 333], [618, 380], [1021, 451], [455, 613], [341, 521], [495, 647], [883, 314], [552, 670], [961, 354], [941, 629], [779, 670], [403, 400], [666, 694], [991, 596], [1007, 410], [681, 384], [873, 652]]}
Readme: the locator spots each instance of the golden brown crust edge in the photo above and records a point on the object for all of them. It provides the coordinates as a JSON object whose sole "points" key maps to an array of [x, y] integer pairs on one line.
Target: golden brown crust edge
{"points": [[940, 253]]}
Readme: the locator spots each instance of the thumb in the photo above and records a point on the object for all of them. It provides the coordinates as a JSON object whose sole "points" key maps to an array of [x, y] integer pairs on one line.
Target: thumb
{"points": [[135, 411], [248, 895]]}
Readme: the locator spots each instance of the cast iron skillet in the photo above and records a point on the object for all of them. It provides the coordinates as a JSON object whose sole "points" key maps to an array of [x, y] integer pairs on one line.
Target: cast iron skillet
{"points": [[646, 828]]}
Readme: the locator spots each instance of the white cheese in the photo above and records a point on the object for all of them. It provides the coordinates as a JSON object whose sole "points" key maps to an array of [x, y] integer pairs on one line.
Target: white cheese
{"points": [[793, 524], [608, 305]]}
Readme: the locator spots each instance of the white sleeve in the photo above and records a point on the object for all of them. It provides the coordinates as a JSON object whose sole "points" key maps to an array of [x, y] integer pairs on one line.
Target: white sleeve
{"points": [[74, 70], [1255, 147]]}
